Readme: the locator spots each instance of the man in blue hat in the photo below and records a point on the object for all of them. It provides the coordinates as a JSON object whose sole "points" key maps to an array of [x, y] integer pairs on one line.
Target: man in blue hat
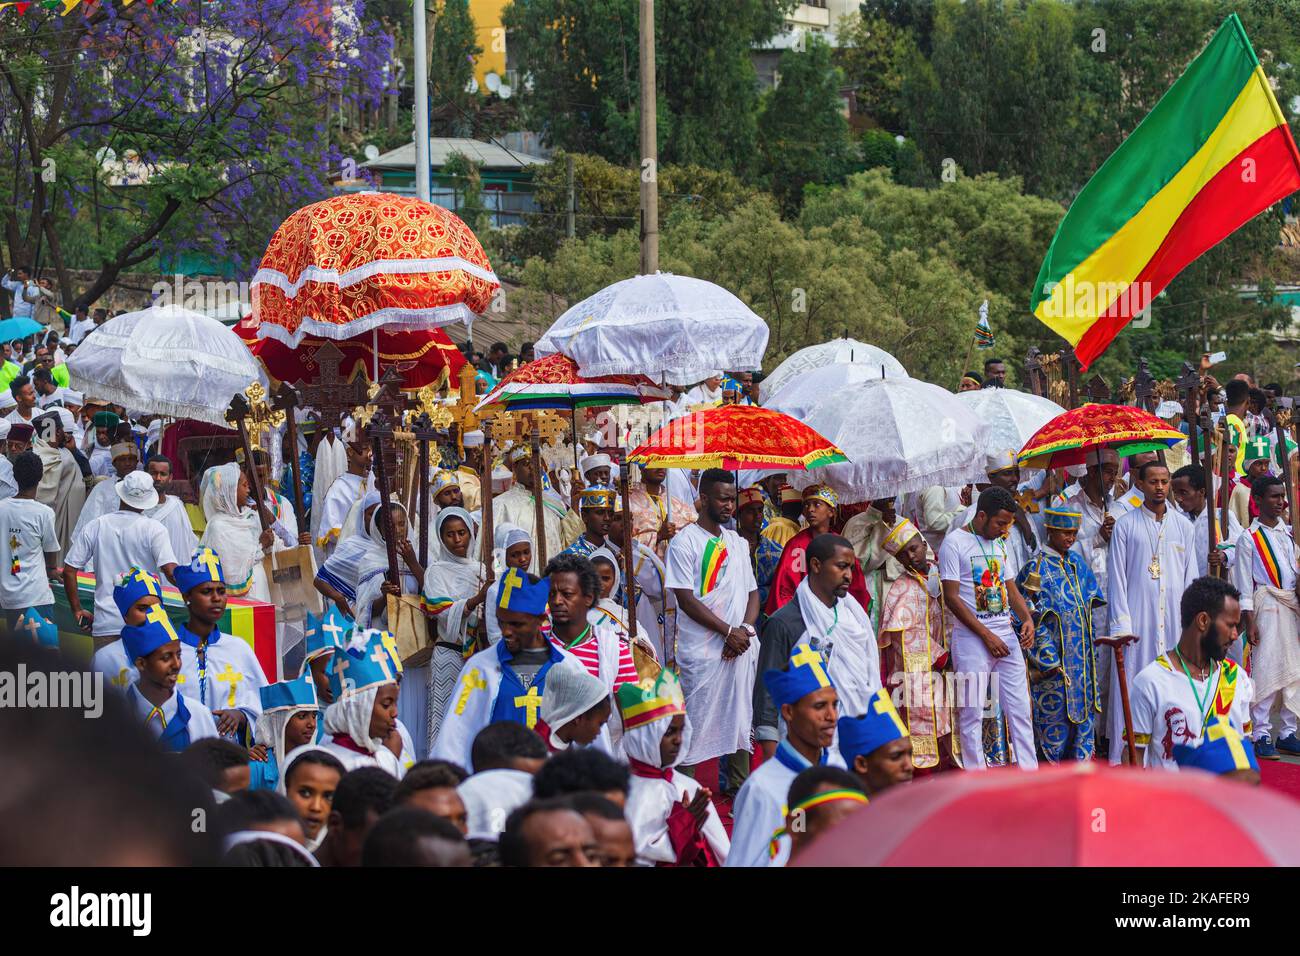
{"points": [[220, 670], [155, 652], [136, 593], [1064, 690], [877, 746], [596, 507], [808, 705], [1224, 752], [505, 681]]}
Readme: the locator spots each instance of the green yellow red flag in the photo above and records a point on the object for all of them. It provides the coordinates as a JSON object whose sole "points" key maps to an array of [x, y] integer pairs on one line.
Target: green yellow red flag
{"points": [[1212, 154]]}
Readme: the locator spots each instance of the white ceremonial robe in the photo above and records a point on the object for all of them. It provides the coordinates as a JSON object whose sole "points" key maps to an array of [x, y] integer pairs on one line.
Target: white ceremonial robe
{"points": [[1201, 540], [515, 506], [201, 723], [234, 678], [650, 800], [758, 814], [1140, 604], [656, 605], [110, 660], [171, 514], [933, 511], [343, 495], [1275, 661], [719, 693], [62, 488]]}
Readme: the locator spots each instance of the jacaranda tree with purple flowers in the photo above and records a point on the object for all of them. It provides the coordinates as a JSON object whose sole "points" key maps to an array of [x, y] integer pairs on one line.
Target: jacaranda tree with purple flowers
{"points": [[141, 134]]}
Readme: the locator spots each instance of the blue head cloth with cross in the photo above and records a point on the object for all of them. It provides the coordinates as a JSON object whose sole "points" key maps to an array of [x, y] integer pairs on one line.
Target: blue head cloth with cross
{"points": [[1062, 519], [804, 674], [41, 631], [519, 594], [297, 694], [143, 640], [369, 660], [866, 734], [1224, 750], [133, 585], [323, 634], [204, 566]]}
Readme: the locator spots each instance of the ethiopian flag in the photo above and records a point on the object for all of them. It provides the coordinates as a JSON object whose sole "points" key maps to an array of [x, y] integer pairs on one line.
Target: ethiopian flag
{"points": [[1214, 153]]}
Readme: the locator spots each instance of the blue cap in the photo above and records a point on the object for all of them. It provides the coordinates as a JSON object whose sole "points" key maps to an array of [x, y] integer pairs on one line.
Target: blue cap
{"points": [[296, 694], [518, 594], [1061, 519], [133, 585], [1223, 751], [36, 627], [204, 566], [805, 673], [369, 660], [866, 734], [143, 640], [322, 635]]}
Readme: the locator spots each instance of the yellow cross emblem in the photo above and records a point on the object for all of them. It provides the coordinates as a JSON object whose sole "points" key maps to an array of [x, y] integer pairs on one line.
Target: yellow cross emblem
{"points": [[1222, 730], [123, 677], [471, 682], [156, 615], [208, 558], [531, 702], [508, 585], [231, 677], [146, 579], [883, 705], [807, 656], [390, 643]]}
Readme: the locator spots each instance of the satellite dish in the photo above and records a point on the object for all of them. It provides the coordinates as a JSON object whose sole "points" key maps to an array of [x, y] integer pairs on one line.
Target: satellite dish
{"points": [[471, 86], [105, 154], [372, 152], [505, 92], [492, 81], [900, 139]]}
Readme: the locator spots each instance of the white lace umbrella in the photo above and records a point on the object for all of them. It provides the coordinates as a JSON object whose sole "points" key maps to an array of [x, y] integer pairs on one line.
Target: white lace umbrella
{"points": [[672, 328], [900, 435], [1013, 417], [809, 390], [834, 352], [166, 361]]}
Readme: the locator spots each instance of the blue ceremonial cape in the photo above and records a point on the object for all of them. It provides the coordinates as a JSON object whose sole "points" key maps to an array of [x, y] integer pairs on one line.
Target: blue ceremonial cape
{"points": [[176, 735]]}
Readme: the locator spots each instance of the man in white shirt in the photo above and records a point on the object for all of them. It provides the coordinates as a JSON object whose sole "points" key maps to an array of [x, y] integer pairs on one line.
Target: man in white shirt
{"points": [[1180, 692], [115, 542], [25, 395], [18, 283], [979, 586], [28, 545], [81, 324]]}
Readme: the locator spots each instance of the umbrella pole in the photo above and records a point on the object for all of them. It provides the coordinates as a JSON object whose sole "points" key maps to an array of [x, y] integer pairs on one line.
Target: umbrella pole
{"points": [[539, 507], [629, 549], [374, 348]]}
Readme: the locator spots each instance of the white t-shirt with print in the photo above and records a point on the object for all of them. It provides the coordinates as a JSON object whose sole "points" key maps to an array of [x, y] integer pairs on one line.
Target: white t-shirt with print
{"points": [[967, 558], [26, 533], [1166, 710]]}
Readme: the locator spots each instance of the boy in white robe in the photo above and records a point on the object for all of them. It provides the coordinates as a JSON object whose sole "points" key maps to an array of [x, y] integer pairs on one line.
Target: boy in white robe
{"points": [[1151, 563], [343, 495], [808, 705], [136, 593], [172, 719], [674, 822], [710, 575], [220, 670], [506, 681], [361, 726], [1178, 697]]}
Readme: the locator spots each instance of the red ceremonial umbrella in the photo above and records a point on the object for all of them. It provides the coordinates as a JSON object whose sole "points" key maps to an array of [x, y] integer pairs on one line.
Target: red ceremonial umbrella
{"points": [[363, 261], [735, 437], [424, 352], [553, 382], [1081, 814], [1067, 438]]}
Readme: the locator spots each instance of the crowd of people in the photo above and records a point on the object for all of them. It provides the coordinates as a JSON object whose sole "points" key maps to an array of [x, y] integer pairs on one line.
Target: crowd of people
{"points": [[764, 663]]}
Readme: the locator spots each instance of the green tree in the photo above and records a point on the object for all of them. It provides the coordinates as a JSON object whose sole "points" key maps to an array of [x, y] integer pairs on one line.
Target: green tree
{"points": [[803, 136], [465, 176], [867, 54], [452, 51]]}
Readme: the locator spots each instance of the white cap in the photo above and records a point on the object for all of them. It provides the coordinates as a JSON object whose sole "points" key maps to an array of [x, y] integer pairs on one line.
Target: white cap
{"points": [[1000, 460], [571, 691], [595, 461], [1168, 410], [472, 439], [137, 490]]}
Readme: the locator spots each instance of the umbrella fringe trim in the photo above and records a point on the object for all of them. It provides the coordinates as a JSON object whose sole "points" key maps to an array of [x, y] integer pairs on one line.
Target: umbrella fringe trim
{"points": [[291, 287], [149, 353], [947, 477], [155, 406]]}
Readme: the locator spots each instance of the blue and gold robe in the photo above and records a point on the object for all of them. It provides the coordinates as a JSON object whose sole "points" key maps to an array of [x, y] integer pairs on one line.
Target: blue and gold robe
{"points": [[1063, 687]]}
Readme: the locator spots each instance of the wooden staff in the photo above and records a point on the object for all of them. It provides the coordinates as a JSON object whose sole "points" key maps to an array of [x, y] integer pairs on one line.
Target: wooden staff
{"points": [[1227, 454], [539, 506], [287, 399], [238, 412], [1284, 459], [1207, 458], [1118, 644], [629, 548], [380, 428]]}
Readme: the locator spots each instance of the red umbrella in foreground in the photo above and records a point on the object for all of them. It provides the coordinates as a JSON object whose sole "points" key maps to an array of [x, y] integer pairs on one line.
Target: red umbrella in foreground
{"points": [[1083, 814]]}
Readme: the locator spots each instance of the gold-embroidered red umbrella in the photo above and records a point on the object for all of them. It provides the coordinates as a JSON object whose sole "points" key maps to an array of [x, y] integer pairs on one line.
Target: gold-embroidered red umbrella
{"points": [[735, 437]]}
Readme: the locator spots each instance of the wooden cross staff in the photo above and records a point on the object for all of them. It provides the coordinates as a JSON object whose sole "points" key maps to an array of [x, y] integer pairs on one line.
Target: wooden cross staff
{"points": [[421, 429], [1144, 392], [1035, 377], [286, 399], [380, 433], [237, 415], [331, 395]]}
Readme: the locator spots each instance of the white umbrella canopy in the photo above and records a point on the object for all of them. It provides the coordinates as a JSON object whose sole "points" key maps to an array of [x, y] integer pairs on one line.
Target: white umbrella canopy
{"points": [[901, 435], [835, 352], [1013, 417], [166, 361], [805, 392], [672, 328]]}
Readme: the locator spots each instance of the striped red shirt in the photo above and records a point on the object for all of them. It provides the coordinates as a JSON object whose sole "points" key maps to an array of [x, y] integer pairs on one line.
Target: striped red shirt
{"points": [[588, 651]]}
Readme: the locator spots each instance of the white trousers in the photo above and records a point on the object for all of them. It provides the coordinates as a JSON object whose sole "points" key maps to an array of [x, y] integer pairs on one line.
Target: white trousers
{"points": [[975, 665], [1261, 722]]}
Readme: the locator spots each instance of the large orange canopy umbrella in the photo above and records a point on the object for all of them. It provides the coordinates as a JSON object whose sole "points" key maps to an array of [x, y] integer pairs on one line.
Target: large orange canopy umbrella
{"points": [[735, 437], [354, 263]]}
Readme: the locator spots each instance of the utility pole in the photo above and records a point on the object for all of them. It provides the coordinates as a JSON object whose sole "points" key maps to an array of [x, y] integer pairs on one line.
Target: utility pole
{"points": [[568, 181], [649, 147], [421, 81]]}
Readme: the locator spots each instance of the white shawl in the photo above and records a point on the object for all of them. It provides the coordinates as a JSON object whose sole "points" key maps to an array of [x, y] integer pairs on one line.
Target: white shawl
{"points": [[233, 531], [843, 633]]}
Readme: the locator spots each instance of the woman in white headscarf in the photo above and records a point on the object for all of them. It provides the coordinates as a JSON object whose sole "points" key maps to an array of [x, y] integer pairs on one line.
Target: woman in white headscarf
{"points": [[455, 587], [234, 531], [354, 725], [575, 708], [514, 549], [372, 569], [607, 610]]}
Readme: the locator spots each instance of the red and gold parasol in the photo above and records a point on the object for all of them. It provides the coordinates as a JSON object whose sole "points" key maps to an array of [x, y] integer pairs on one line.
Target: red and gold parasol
{"points": [[735, 437], [553, 382], [349, 264], [1067, 438], [424, 354]]}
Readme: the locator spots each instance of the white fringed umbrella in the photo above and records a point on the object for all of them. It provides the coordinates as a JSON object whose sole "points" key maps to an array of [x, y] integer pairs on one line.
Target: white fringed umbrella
{"points": [[834, 352]]}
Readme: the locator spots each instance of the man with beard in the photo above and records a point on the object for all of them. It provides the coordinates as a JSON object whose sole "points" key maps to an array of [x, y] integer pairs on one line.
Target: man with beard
{"points": [[1178, 693]]}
